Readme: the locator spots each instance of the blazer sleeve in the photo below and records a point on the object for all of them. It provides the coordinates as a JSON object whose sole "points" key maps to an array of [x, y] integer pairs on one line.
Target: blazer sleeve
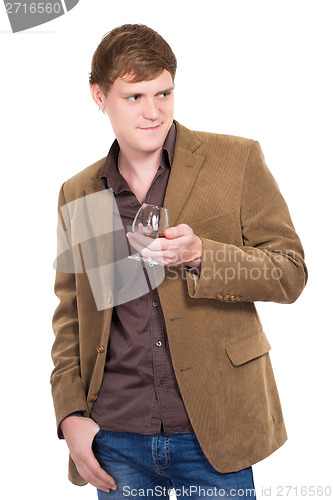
{"points": [[67, 389], [269, 266]]}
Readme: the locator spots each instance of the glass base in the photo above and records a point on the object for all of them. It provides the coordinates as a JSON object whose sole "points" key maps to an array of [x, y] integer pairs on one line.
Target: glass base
{"points": [[139, 257]]}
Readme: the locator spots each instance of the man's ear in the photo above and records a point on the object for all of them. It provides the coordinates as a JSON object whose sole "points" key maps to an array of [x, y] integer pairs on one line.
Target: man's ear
{"points": [[97, 95]]}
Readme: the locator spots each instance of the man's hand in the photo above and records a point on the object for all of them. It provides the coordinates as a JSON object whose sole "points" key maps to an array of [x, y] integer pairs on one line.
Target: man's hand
{"points": [[79, 433], [180, 246]]}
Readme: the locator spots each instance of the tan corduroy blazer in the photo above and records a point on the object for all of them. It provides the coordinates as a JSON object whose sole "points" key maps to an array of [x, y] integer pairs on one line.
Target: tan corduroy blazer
{"points": [[221, 187]]}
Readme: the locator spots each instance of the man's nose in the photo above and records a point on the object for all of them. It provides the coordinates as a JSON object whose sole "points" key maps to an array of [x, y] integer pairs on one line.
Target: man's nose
{"points": [[150, 109]]}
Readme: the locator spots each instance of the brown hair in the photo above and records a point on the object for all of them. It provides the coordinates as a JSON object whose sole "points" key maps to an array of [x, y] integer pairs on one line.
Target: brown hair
{"points": [[131, 49]]}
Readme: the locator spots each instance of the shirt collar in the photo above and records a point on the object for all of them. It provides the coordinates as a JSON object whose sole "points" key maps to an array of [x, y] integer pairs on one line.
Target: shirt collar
{"points": [[110, 176]]}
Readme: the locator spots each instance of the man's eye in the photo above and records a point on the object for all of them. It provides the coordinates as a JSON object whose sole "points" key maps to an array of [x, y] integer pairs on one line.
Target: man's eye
{"points": [[134, 98], [165, 94]]}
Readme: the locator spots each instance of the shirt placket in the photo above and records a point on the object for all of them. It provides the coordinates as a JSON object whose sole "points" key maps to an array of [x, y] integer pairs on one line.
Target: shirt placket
{"points": [[162, 410]]}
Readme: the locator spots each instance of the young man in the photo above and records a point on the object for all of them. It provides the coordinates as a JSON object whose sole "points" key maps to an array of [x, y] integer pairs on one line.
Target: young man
{"points": [[174, 387]]}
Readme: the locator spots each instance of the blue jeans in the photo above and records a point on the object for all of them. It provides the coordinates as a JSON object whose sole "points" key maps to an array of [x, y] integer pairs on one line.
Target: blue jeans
{"points": [[147, 466]]}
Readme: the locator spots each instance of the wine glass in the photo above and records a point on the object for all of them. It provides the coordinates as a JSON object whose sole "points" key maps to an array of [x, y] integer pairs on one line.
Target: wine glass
{"points": [[150, 221]]}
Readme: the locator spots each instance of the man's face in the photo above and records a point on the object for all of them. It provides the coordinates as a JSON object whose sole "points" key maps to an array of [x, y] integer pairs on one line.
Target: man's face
{"points": [[141, 113]]}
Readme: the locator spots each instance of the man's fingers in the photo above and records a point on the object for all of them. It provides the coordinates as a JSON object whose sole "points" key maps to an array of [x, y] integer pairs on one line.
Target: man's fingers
{"points": [[139, 241], [102, 480], [101, 473], [163, 258], [92, 472], [177, 231]]}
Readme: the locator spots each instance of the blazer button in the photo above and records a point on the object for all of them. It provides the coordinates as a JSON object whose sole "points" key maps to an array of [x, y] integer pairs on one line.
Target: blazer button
{"points": [[238, 298], [93, 397], [232, 298], [100, 349], [227, 298], [219, 296]]}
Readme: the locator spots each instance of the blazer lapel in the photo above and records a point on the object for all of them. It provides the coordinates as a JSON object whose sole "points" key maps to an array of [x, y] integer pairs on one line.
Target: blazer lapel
{"points": [[184, 171]]}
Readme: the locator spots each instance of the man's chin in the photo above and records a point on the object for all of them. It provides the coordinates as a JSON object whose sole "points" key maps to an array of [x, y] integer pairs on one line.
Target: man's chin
{"points": [[152, 143]]}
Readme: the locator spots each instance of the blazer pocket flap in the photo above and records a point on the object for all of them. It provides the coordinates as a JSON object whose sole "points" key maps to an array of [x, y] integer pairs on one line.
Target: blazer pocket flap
{"points": [[249, 348]]}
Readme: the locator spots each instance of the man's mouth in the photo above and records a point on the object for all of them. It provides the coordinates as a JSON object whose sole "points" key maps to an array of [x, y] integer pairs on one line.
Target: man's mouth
{"points": [[150, 128]]}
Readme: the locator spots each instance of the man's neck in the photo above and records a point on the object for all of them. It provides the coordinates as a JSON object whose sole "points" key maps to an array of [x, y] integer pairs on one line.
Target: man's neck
{"points": [[139, 165]]}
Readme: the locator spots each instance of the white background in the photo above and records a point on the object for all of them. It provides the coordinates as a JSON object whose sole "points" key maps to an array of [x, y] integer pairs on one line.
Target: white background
{"points": [[258, 69]]}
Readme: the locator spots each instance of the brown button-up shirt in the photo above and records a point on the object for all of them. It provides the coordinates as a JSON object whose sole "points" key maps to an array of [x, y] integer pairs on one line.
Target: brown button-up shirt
{"points": [[139, 391]]}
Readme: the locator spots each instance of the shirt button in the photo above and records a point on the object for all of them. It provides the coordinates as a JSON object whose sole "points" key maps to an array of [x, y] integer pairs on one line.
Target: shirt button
{"points": [[155, 303], [93, 397], [100, 349], [158, 343], [161, 383]]}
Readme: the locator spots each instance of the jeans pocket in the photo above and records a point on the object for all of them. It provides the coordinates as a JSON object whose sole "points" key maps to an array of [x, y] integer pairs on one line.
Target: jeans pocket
{"points": [[98, 434]]}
